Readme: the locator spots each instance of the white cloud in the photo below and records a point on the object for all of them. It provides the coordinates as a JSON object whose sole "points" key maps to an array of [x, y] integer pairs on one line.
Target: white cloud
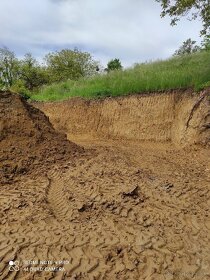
{"points": [[130, 30]]}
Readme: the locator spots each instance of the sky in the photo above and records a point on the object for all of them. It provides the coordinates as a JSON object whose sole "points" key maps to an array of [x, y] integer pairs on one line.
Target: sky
{"points": [[131, 30]]}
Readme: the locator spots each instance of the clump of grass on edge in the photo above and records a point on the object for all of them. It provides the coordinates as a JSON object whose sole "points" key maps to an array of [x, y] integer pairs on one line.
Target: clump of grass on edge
{"points": [[175, 73]]}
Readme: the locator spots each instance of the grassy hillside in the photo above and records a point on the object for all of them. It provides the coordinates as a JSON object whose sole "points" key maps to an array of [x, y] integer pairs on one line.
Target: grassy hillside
{"points": [[175, 73]]}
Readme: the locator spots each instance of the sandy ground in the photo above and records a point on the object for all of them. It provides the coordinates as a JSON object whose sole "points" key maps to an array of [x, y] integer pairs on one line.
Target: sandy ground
{"points": [[115, 210], [129, 212]]}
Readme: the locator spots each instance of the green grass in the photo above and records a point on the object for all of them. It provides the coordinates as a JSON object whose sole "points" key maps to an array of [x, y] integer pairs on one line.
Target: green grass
{"points": [[175, 73]]}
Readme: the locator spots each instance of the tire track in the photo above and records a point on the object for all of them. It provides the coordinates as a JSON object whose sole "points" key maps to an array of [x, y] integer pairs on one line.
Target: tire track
{"points": [[57, 199]]}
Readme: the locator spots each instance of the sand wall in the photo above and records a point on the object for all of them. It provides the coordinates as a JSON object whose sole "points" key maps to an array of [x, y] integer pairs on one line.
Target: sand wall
{"points": [[181, 117]]}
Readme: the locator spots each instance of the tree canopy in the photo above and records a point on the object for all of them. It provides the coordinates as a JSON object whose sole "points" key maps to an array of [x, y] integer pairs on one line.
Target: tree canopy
{"points": [[70, 64], [192, 8], [8, 67], [27, 74], [114, 64], [189, 46], [31, 73]]}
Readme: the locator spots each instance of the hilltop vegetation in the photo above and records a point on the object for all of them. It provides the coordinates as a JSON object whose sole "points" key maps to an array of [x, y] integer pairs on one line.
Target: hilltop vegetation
{"points": [[27, 74], [191, 70], [73, 73], [69, 73]]}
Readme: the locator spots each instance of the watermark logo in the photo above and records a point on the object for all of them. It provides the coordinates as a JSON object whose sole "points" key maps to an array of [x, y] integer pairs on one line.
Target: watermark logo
{"points": [[14, 266]]}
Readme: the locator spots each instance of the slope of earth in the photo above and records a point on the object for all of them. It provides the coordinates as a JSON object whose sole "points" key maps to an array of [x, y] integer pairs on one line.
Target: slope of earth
{"points": [[121, 209], [27, 139]]}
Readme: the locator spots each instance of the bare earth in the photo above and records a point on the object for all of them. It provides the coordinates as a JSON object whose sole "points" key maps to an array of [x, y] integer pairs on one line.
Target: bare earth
{"points": [[117, 209]]}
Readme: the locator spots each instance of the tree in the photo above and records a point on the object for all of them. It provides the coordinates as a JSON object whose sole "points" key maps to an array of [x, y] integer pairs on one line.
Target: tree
{"points": [[31, 73], [196, 8], [206, 43], [8, 67], [187, 47], [70, 64], [114, 64]]}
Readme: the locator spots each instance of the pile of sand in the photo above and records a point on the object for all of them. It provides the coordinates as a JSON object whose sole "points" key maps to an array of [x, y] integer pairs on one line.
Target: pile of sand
{"points": [[27, 139]]}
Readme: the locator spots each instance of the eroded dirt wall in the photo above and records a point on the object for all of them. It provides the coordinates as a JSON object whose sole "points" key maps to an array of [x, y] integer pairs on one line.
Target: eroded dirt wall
{"points": [[179, 117]]}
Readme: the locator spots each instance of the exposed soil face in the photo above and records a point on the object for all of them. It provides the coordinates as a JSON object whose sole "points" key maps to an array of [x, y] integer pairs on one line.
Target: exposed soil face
{"points": [[121, 209], [179, 117]]}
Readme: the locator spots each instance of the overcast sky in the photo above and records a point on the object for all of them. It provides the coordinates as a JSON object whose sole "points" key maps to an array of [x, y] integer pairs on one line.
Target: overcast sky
{"points": [[130, 30]]}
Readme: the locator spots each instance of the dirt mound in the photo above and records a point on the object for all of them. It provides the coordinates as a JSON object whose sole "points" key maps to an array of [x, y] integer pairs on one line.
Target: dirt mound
{"points": [[179, 117], [27, 139]]}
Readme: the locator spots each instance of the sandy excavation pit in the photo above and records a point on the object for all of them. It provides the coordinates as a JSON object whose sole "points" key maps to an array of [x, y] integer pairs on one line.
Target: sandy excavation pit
{"points": [[129, 200]]}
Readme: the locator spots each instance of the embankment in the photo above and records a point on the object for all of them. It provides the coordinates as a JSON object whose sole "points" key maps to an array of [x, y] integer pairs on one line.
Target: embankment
{"points": [[180, 117]]}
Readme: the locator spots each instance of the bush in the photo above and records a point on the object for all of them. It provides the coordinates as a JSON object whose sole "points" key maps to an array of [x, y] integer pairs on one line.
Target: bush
{"points": [[20, 88]]}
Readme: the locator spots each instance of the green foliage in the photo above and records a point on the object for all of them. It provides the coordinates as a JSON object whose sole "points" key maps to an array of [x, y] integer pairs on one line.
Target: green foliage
{"points": [[8, 67], [114, 64], [102, 93], [20, 75], [202, 86], [28, 74], [70, 64], [178, 72], [187, 47], [206, 43], [19, 87], [178, 8], [31, 73]]}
